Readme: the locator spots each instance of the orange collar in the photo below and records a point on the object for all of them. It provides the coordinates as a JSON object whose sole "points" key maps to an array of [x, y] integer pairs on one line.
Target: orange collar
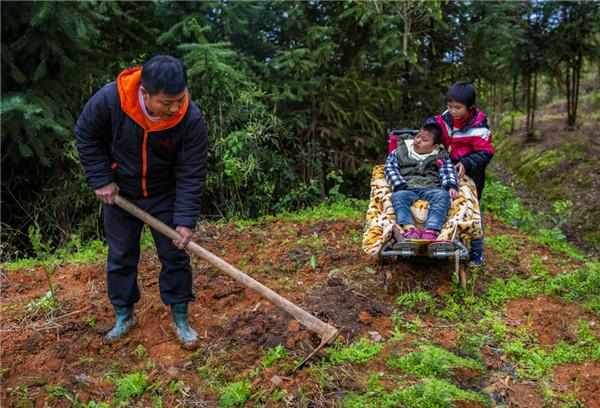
{"points": [[128, 83]]}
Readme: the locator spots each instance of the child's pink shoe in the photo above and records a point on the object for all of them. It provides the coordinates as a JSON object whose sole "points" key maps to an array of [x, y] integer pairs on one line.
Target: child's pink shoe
{"points": [[412, 233], [429, 235]]}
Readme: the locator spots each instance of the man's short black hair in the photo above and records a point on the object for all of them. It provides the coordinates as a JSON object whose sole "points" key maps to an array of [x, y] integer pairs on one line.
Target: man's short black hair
{"points": [[462, 92], [163, 73], [434, 129]]}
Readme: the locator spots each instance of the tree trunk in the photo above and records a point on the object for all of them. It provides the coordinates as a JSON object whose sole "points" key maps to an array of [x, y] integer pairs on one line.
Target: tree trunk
{"points": [[534, 104], [528, 104], [573, 79], [569, 93], [514, 103]]}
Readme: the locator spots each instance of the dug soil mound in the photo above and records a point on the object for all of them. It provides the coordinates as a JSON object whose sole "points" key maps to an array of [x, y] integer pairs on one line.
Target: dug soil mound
{"points": [[583, 380], [551, 319]]}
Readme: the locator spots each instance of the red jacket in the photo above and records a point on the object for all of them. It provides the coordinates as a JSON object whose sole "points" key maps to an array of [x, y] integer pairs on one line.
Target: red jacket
{"points": [[474, 137]]}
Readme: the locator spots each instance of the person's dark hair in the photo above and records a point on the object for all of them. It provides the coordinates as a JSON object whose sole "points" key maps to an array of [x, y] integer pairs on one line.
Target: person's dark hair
{"points": [[462, 92], [434, 129], [163, 73]]}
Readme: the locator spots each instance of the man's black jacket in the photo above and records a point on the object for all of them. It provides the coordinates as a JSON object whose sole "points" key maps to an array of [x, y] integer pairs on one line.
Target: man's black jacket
{"points": [[117, 143]]}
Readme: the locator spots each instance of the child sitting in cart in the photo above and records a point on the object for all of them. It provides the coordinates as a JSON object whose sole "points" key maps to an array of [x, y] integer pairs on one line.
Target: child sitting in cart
{"points": [[421, 168]]}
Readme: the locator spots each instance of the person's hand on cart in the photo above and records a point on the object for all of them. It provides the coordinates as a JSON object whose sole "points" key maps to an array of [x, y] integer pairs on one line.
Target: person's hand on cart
{"points": [[460, 170], [453, 193]]}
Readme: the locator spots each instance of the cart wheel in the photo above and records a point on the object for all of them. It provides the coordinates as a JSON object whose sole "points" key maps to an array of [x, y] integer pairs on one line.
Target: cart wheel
{"points": [[462, 275]]}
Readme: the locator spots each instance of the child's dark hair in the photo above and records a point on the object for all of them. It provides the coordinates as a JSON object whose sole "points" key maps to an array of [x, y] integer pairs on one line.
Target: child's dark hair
{"points": [[462, 92], [435, 132], [163, 73]]}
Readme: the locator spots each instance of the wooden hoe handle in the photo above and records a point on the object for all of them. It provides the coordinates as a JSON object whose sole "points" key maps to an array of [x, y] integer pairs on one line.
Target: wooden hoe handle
{"points": [[324, 330]]}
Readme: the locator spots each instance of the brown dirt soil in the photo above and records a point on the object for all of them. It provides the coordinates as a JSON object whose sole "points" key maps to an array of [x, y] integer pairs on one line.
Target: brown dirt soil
{"points": [[468, 404], [581, 379], [235, 324], [551, 319], [524, 396]]}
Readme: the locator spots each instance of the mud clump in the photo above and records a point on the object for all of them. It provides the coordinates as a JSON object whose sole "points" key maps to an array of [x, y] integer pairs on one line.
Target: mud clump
{"points": [[267, 329], [524, 396], [346, 309], [334, 302]]}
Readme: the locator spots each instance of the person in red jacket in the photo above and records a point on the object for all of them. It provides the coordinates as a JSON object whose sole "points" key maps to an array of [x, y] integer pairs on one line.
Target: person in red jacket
{"points": [[467, 136], [141, 136]]}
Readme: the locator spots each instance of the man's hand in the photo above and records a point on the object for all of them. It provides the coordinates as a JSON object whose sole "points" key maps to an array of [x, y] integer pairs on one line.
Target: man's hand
{"points": [[453, 193], [460, 170], [107, 193], [186, 237]]}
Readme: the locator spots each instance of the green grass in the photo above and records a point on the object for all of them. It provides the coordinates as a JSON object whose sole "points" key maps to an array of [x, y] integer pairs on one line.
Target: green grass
{"points": [[358, 352], [74, 252], [131, 386], [419, 301], [505, 245], [432, 361], [501, 290], [431, 393], [343, 209], [503, 202], [534, 362], [273, 355], [582, 286], [235, 394]]}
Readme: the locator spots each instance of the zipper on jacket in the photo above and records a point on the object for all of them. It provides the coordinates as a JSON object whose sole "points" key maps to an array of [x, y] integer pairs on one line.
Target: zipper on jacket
{"points": [[145, 164]]}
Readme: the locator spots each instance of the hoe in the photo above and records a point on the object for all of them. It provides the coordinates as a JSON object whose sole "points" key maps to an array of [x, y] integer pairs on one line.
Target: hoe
{"points": [[326, 332]]}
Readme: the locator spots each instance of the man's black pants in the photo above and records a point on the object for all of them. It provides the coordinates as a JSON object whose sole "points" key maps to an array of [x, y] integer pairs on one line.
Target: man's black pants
{"points": [[122, 232]]}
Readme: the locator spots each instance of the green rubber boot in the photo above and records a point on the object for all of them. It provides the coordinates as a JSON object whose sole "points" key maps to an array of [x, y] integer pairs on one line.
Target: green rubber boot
{"points": [[186, 335], [124, 321]]}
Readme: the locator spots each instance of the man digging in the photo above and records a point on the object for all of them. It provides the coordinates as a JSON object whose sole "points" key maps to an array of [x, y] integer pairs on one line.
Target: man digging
{"points": [[143, 138]]}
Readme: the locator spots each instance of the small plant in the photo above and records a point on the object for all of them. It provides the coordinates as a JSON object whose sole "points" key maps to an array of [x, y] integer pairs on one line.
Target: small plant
{"points": [[214, 376], [20, 396], [140, 352], [42, 249], [94, 404], [534, 362], [502, 290], [176, 387], [278, 395], [157, 401], [432, 393], [537, 267], [411, 326], [235, 394], [90, 321], [583, 285], [43, 305], [58, 392], [419, 301], [131, 386], [432, 361], [562, 211], [505, 245], [358, 352], [273, 355]]}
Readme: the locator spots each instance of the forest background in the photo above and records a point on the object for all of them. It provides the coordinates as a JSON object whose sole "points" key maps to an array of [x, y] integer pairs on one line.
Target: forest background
{"points": [[298, 95]]}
